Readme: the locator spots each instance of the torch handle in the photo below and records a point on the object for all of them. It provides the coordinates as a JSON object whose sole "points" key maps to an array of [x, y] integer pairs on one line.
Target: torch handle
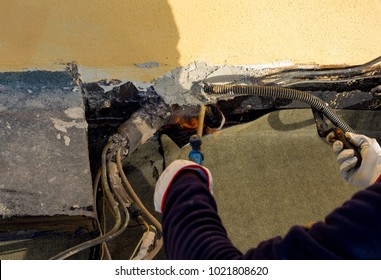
{"points": [[201, 118], [340, 135]]}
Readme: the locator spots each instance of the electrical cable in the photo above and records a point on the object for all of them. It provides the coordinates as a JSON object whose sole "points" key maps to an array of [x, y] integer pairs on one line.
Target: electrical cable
{"points": [[329, 81], [115, 231], [345, 71], [135, 198], [116, 184], [104, 220], [123, 199], [104, 247], [95, 188], [141, 240], [137, 246]]}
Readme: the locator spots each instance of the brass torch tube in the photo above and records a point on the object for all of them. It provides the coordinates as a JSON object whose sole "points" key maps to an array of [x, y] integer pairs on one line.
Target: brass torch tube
{"points": [[201, 118]]}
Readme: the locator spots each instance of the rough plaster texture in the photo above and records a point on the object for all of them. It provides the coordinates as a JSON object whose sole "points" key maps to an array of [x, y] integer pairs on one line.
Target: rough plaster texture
{"points": [[183, 85], [111, 40]]}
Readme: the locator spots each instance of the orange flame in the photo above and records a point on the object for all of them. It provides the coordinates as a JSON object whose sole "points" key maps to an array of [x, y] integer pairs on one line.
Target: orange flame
{"points": [[191, 123]]}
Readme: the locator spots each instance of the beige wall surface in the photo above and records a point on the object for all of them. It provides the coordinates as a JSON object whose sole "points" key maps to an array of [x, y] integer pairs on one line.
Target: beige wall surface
{"points": [[113, 36]]}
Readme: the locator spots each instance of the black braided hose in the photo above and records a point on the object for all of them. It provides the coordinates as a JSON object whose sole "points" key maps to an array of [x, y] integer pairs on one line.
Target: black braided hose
{"points": [[279, 92]]}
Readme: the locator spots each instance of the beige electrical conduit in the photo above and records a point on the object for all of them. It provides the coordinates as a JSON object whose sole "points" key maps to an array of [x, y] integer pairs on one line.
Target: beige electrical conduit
{"points": [[137, 200], [95, 190], [120, 192], [116, 184], [141, 239], [118, 227]]}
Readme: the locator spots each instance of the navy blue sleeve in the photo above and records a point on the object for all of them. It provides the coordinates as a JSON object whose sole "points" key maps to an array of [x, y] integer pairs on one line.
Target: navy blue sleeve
{"points": [[192, 228]]}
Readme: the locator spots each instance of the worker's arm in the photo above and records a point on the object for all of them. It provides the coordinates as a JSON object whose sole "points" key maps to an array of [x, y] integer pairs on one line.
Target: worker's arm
{"points": [[192, 228]]}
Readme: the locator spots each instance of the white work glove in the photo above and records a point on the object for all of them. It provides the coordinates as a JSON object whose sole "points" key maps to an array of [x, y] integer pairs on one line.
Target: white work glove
{"points": [[370, 169], [167, 177]]}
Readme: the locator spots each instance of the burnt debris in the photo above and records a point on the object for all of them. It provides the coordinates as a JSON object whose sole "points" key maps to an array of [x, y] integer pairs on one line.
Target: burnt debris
{"points": [[110, 103]]}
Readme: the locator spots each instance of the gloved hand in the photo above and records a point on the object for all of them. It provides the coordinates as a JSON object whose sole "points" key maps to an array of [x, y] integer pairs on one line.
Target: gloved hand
{"points": [[167, 177], [370, 169]]}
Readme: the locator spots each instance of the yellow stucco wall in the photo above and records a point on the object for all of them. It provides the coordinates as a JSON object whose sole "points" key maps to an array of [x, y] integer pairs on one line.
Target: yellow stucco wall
{"points": [[109, 37]]}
